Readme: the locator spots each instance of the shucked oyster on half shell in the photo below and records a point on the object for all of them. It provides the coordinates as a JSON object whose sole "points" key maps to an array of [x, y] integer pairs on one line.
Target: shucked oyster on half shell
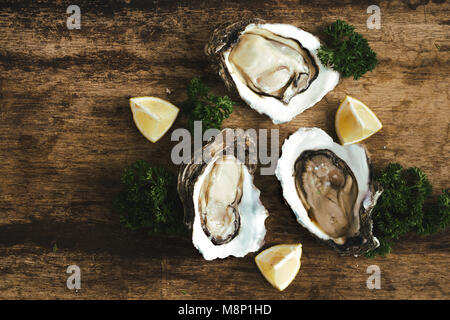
{"points": [[221, 204], [273, 67], [329, 187]]}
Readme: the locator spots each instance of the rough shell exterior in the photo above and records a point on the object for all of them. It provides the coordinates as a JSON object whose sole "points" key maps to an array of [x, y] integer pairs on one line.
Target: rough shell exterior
{"points": [[222, 38], [190, 172], [252, 214], [364, 241], [278, 109]]}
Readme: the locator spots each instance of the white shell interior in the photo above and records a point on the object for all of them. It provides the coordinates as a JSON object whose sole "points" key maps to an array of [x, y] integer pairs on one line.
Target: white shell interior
{"points": [[314, 139], [252, 230], [279, 112]]}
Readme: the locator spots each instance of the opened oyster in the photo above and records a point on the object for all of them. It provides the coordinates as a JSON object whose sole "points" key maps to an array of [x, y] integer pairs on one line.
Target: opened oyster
{"points": [[273, 67], [221, 204], [329, 187]]}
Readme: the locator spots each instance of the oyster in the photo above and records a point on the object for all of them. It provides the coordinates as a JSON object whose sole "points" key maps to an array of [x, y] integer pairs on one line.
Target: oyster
{"points": [[221, 204], [329, 187], [273, 67]]}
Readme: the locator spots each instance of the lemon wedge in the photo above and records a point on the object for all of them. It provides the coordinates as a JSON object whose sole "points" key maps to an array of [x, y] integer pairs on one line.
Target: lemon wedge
{"points": [[355, 121], [280, 264], [153, 116]]}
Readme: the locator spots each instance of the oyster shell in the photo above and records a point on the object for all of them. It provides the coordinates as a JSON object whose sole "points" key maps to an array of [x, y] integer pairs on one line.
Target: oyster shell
{"points": [[273, 67], [221, 204], [329, 187]]}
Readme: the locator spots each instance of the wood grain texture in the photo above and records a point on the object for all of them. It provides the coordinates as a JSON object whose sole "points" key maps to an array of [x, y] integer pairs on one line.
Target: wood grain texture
{"points": [[66, 133]]}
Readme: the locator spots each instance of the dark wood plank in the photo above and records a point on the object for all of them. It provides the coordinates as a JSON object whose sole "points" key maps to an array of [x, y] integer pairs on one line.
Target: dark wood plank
{"points": [[66, 132]]}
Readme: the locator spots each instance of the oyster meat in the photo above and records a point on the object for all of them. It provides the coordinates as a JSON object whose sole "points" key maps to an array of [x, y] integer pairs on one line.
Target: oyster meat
{"points": [[273, 67], [221, 204], [330, 189]]}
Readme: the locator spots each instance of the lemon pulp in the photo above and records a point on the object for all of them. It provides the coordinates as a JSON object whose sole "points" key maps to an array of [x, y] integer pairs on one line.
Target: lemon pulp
{"points": [[355, 121], [280, 264], [153, 116]]}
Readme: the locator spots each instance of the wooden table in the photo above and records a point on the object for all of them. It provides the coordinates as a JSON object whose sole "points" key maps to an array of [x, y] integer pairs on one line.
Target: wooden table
{"points": [[66, 133]]}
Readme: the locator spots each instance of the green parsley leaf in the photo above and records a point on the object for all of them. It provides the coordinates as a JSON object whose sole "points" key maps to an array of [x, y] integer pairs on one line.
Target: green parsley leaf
{"points": [[206, 107], [404, 207], [148, 199], [347, 51]]}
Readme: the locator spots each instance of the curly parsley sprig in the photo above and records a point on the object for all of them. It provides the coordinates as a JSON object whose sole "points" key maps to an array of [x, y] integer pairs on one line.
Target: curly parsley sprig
{"points": [[404, 207], [148, 199], [347, 51], [206, 107]]}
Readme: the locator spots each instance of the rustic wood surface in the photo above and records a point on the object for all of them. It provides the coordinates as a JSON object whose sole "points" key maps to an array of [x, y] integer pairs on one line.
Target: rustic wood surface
{"points": [[66, 133]]}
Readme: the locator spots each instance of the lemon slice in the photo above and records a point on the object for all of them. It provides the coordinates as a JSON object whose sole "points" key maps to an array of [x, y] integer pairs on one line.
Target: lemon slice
{"points": [[280, 264], [153, 116], [355, 121]]}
